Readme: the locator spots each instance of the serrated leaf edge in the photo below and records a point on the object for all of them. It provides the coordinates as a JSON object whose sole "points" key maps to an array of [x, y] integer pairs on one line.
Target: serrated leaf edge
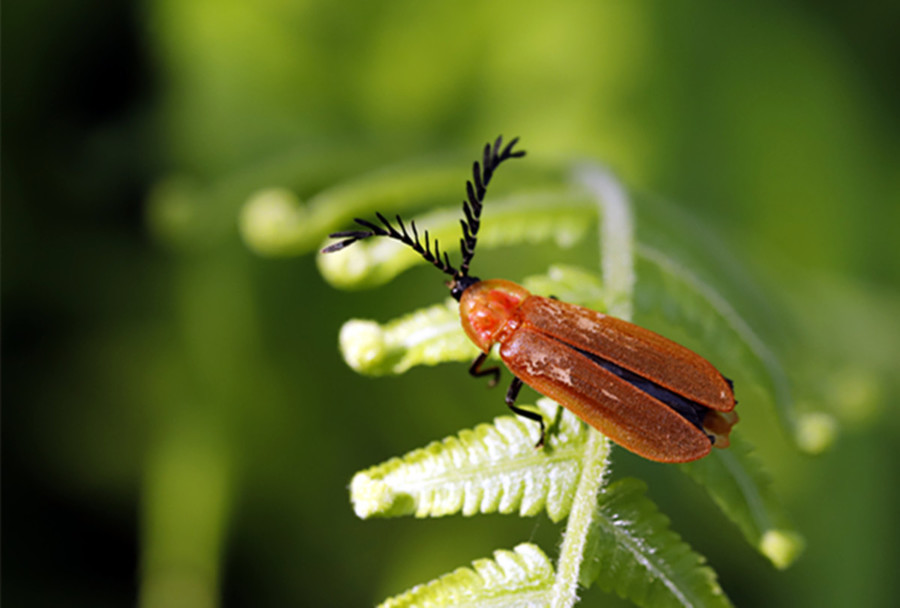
{"points": [[491, 468], [521, 577]]}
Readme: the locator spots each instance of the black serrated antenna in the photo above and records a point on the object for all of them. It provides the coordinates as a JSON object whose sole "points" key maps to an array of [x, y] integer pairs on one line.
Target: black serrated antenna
{"points": [[481, 176], [475, 190], [351, 236]]}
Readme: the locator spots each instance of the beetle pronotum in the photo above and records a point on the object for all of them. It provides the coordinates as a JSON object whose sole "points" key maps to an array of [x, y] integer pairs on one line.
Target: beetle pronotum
{"points": [[650, 395]]}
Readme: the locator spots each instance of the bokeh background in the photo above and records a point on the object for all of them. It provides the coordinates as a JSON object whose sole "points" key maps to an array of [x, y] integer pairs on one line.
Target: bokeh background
{"points": [[178, 426]]}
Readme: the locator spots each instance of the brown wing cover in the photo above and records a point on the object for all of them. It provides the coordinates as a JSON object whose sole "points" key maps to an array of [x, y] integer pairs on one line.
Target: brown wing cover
{"points": [[623, 413], [639, 350]]}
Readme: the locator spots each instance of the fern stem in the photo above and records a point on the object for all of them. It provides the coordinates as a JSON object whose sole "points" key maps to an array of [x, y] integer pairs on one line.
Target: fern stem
{"points": [[616, 236], [581, 517], [617, 260]]}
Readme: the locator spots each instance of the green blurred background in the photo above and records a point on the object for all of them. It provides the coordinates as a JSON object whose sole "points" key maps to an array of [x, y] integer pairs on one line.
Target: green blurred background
{"points": [[178, 426]]}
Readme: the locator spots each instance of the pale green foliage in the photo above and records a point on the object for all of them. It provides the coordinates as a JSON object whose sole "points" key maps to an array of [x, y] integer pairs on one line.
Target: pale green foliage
{"points": [[491, 468], [632, 551], [521, 577], [427, 336], [300, 225]]}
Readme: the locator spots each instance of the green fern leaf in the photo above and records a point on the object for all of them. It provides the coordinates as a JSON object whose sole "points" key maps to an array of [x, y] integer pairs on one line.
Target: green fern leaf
{"points": [[521, 577], [275, 222], [632, 551], [738, 484], [427, 336], [492, 468]]}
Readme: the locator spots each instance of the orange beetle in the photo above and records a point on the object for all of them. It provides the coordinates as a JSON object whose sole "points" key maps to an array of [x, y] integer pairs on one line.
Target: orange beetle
{"points": [[650, 395]]}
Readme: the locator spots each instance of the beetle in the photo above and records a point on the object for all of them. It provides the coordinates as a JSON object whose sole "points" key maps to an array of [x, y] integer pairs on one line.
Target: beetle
{"points": [[648, 394]]}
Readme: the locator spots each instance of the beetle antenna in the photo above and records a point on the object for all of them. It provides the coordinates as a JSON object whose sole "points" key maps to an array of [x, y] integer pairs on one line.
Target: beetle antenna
{"points": [[475, 191], [387, 229]]}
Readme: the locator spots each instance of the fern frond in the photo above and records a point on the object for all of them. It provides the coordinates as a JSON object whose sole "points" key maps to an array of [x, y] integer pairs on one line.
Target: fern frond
{"points": [[743, 491], [427, 336], [301, 225], [632, 551], [521, 577], [491, 468]]}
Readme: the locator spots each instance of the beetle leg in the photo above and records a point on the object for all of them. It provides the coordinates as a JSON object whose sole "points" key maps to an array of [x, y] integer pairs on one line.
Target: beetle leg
{"points": [[511, 395], [476, 371]]}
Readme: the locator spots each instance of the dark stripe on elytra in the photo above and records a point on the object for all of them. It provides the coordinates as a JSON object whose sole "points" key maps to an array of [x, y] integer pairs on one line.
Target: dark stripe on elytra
{"points": [[691, 411]]}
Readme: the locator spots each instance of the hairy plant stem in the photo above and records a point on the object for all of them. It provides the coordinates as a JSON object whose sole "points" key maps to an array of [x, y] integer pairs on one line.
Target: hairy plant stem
{"points": [[617, 260], [581, 518]]}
